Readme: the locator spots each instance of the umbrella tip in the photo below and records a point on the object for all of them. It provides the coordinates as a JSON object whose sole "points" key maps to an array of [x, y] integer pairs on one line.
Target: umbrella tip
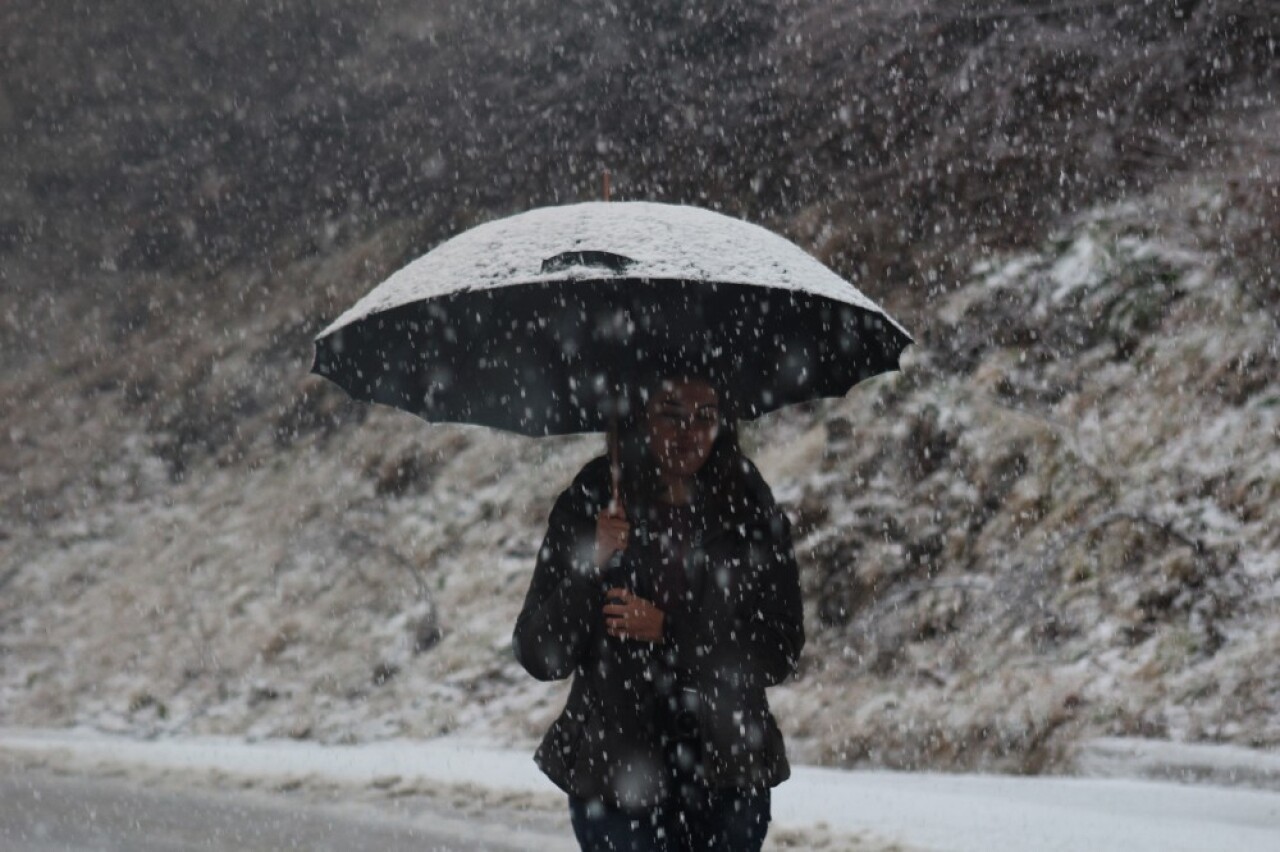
{"points": [[606, 185]]}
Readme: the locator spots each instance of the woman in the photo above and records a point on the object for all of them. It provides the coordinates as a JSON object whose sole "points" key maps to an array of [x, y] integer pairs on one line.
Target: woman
{"points": [[672, 611]]}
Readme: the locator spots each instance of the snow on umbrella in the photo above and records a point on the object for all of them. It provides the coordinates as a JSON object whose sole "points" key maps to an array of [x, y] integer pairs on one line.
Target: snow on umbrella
{"points": [[534, 323]]}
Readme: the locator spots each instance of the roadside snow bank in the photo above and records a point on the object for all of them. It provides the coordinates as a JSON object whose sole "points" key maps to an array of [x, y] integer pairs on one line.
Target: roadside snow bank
{"points": [[927, 811], [1218, 764]]}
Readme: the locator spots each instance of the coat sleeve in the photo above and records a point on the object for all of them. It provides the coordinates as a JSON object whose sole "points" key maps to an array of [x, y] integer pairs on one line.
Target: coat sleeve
{"points": [[556, 622], [772, 631], [767, 632]]}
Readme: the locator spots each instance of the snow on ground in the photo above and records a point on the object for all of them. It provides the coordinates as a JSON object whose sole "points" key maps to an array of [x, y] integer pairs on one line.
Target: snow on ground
{"points": [[849, 809], [1160, 759]]}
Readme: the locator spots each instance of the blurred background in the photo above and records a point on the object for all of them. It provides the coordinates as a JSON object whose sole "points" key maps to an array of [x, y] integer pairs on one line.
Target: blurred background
{"points": [[1058, 523]]}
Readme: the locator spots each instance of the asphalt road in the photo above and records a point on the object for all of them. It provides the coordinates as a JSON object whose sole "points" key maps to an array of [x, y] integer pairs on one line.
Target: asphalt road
{"points": [[42, 811]]}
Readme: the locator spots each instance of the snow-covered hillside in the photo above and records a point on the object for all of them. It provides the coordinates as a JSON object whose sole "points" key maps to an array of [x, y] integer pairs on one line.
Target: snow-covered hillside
{"points": [[1061, 520], [1058, 522]]}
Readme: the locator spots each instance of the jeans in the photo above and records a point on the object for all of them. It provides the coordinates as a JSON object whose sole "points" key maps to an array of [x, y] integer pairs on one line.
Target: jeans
{"points": [[707, 821]]}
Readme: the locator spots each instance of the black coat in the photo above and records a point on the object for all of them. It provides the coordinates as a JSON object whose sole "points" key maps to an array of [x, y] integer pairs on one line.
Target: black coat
{"points": [[743, 632]]}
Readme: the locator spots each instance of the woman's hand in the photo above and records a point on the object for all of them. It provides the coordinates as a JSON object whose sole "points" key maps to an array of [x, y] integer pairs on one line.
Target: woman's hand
{"points": [[627, 616], [612, 531]]}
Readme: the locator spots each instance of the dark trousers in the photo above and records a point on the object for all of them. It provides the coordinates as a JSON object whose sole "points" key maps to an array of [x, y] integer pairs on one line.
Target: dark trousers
{"points": [[707, 821]]}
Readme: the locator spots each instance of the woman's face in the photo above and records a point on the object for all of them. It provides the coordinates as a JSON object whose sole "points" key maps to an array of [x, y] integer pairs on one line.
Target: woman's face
{"points": [[682, 420]]}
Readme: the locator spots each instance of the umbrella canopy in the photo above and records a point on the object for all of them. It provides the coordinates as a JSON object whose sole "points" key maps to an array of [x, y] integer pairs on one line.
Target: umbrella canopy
{"points": [[533, 323]]}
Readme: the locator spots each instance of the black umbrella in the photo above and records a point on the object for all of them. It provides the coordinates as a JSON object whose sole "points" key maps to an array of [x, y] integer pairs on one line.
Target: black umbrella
{"points": [[532, 323]]}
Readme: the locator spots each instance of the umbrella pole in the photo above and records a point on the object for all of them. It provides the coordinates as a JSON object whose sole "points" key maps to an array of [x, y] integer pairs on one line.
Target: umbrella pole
{"points": [[615, 466]]}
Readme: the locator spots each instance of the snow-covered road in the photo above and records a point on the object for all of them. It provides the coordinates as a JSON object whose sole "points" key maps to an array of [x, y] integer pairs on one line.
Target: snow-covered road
{"points": [[44, 812], [959, 813]]}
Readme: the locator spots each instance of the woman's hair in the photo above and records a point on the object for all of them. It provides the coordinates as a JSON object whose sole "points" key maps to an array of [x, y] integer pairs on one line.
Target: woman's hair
{"points": [[727, 482]]}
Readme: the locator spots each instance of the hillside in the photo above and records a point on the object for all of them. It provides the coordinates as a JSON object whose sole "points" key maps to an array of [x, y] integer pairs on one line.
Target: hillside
{"points": [[1057, 522]]}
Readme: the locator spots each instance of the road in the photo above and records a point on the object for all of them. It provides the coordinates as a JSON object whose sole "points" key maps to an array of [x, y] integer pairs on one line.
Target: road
{"points": [[42, 811]]}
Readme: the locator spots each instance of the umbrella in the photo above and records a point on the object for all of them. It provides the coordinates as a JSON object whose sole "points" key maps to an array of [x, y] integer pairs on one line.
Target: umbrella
{"points": [[534, 322]]}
